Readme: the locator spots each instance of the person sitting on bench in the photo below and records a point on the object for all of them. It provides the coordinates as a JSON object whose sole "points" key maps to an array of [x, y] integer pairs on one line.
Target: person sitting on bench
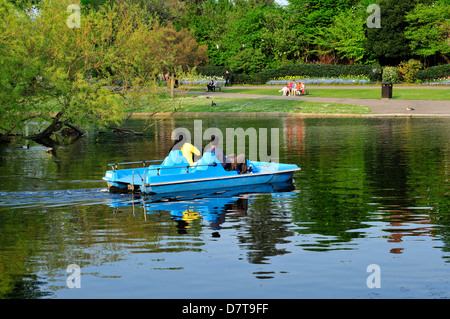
{"points": [[211, 86]]}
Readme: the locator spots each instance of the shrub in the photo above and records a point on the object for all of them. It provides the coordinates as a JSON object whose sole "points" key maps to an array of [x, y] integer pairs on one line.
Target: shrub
{"points": [[408, 69], [390, 74], [433, 73]]}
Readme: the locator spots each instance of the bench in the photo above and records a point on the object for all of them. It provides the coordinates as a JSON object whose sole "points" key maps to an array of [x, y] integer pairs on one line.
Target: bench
{"points": [[217, 86], [299, 93]]}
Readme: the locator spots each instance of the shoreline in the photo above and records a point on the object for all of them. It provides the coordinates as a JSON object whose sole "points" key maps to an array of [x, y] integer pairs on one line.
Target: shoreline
{"points": [[283, 114], [326, 86]]}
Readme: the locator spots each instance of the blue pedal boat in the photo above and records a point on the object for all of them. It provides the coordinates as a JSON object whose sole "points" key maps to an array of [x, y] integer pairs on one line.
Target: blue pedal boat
{"points": [[174, 174]]}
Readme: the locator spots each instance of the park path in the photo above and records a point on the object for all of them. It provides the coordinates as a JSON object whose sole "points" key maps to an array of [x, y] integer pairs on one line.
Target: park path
{"points": [[380, 106]]}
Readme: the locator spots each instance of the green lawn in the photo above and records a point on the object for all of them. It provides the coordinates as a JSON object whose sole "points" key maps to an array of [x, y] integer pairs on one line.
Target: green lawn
{"points": [[356, 93], [224, 104]]}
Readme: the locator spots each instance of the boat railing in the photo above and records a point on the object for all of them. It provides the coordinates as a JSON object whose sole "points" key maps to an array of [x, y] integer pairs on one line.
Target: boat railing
{"points": [[115, 165], [132, 177], [158, 170]]}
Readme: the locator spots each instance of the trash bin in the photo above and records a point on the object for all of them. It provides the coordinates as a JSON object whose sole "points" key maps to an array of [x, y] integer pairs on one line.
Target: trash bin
{"points": [[386, 90]]}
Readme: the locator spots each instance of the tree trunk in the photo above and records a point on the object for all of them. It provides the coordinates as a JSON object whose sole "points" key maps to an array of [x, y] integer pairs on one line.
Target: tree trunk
{"points": [[44, 136], [125, 130], [53, 127], [75, 129], [172, 85], [4, 139], [444, 57]]}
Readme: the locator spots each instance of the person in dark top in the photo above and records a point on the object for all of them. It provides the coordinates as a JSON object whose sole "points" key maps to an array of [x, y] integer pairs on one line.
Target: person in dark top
{"points": [[227, 78], [211, 86], [229, 163], [216, 150]]}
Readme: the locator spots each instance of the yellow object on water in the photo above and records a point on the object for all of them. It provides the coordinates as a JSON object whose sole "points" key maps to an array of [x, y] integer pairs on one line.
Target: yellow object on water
{"points": [[187, 151], [189, 216]]}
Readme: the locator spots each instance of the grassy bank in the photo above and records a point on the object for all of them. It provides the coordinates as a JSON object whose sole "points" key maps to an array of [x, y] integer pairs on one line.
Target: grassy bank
{"points": [[363, 93], [224, 104]]}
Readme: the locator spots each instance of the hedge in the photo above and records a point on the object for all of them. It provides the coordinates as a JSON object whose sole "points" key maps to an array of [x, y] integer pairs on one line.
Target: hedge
{"points": [[320, 70], [310, 70], [433, 73]]}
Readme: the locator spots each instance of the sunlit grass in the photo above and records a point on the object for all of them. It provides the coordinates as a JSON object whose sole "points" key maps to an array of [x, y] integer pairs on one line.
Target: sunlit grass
{"points": [[224, 104], [357, 93]]}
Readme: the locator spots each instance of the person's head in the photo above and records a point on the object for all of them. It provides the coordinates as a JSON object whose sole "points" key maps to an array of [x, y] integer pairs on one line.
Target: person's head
{"points": [[181, 137], [214, 140]]}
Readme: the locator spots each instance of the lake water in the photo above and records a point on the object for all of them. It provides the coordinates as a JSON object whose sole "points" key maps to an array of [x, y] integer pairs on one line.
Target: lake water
{"points": [[368, 216]]}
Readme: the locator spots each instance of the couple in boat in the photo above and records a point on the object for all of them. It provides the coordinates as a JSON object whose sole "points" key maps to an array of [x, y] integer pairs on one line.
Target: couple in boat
{"points": [[229, 163]]}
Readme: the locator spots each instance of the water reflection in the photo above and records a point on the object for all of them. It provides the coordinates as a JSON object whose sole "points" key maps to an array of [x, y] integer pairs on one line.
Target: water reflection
{"points": [[369, 190], [406, 221], [212, 206]]}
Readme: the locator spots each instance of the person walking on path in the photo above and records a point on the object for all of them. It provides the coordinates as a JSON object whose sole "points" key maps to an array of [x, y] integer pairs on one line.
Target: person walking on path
{"points": [[227, 78]]}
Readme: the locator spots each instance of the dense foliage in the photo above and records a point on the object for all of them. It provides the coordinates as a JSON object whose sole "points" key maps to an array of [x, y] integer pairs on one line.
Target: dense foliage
{"points": [[255, 38], [323, 31], [252, 35], [55, 73], [60, 70]]}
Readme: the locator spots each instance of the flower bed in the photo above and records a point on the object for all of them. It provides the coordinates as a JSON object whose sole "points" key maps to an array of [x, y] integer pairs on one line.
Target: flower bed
{"points": [[203, 80], [440, 81], [324, 81]]}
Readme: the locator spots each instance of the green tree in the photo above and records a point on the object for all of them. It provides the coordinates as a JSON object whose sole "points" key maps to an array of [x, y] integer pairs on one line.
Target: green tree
{"points": [[248, 61], [345, 36], [19, 69], [209, 20], [388, 43], [93, 75], [429, 29]]}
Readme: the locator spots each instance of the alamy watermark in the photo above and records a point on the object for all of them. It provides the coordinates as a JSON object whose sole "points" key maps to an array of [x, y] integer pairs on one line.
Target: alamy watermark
{"points": [[74, 279], [374, 279], [74, 20], [236, 140], [374, 20]]}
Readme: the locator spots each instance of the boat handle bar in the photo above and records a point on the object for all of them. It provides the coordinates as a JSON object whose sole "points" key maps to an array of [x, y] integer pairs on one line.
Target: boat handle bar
{"points": [[187, 168], [132, 177], [114, 165]]}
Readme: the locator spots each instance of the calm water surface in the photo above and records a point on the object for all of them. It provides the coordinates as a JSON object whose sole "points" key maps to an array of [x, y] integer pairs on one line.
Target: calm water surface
{"points": [[371, 191]]}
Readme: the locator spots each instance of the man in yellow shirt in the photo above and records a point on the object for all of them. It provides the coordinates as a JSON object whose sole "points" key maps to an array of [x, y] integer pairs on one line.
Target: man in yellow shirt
{"points": [[187, 149]]}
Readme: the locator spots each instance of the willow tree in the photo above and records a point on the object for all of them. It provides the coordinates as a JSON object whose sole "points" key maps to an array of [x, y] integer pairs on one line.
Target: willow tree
{"points": [[18, 68], [80, 68]]}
